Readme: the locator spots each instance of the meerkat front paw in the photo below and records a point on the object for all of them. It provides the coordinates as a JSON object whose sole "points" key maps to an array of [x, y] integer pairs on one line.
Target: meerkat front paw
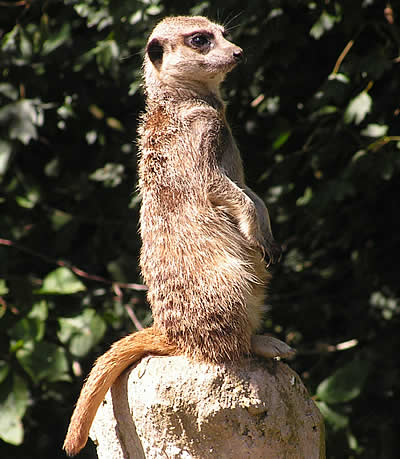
{"points": [[269, 347]]}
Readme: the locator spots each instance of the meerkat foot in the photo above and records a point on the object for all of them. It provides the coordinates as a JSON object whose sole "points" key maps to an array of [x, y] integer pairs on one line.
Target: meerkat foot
{"points": [[269, 347]]}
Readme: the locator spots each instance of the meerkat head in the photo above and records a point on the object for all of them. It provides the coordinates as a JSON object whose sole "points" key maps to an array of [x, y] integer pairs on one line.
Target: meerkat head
{"points": [[189, 53]]}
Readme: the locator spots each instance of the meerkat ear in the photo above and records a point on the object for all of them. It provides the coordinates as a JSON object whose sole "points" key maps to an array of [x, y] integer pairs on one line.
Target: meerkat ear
{"points": [[155, 51]]}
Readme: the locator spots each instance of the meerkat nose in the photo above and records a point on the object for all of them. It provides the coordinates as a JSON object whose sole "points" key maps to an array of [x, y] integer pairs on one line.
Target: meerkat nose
{"points": [[238, 55]]}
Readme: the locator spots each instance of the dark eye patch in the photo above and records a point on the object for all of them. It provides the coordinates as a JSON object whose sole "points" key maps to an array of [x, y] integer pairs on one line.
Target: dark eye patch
{"points": [[199, 40]]}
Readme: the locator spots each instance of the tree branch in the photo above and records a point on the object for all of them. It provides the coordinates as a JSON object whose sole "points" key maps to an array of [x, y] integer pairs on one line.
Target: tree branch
{"points": [[79, 272]]}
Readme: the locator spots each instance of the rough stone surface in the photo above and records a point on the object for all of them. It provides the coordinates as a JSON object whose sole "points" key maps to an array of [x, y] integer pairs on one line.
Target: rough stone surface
{"points": [[169, 407]]}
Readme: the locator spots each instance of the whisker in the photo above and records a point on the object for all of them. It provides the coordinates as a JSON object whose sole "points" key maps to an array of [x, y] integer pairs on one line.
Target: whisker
{"points": [[230, 18]]}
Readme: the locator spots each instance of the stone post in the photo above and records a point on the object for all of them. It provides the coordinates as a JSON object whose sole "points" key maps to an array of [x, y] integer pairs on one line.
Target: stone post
{"points": [[169, 407]]}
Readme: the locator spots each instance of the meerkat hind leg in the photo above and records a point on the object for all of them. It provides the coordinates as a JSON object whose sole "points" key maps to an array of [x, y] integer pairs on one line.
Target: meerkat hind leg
{"points": [[269, 347]]}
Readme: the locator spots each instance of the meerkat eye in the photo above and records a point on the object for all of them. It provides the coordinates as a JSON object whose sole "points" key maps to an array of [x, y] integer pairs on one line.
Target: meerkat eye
{"points": [[200, 40]]}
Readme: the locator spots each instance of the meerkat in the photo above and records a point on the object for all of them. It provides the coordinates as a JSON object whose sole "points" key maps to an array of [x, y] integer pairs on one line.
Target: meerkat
{"points": [[206, 237]]}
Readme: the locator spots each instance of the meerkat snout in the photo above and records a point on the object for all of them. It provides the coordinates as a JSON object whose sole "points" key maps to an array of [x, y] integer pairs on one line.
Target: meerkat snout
{"points": [[238, 55]]}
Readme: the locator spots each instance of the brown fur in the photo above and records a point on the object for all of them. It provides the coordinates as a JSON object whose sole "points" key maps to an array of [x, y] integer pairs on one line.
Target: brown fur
{"points": [[205, 234]]}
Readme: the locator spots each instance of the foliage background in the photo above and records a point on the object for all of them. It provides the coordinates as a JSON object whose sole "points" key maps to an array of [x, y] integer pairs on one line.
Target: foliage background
{"points": [[316, 112]]}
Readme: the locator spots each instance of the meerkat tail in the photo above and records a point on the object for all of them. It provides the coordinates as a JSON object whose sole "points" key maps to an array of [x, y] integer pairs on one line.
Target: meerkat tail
{"points": [[105, 371]]}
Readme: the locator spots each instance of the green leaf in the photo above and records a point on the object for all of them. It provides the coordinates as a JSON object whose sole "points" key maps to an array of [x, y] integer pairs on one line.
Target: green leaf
{"points": [[282, 139], [200, 9], [336, 420], [325, 22], [57, 40], [111, 174], [61, 281], [341, 77], [39, 311], [326, 110], [30, 200], [27, 330], [84, 59], [353, 442], [11, 428], [22, 118], [9, 42], [306, 198], [95, 16], [9, 91], [32, 327], [4, 370], [345, 384], [59, 219], [375, 130], [25, 45], [81, 333], [107, 53], [358, 108], [5, 155], [14, 400], [44, 361], [153, 10], [134, 87], [3, 287]]}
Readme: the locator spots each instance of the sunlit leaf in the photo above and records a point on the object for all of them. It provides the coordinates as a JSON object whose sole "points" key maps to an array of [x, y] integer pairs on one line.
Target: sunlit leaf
{"points": [[345, 384], [11, 427], [9, 41], [44, 360], [107, 53], [3, 287], [82, 332], [325, 22], [25, 44], [111, 174], [29, 200], [134, 87], [57, 39], [306, 198], [375, 130], [9, 90], [341, 77], [61, 281], [358, 108], [326, 110], [14, 400], [5, 155], [28, 330], [22, 118], [336, 420], [32, 327]]}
